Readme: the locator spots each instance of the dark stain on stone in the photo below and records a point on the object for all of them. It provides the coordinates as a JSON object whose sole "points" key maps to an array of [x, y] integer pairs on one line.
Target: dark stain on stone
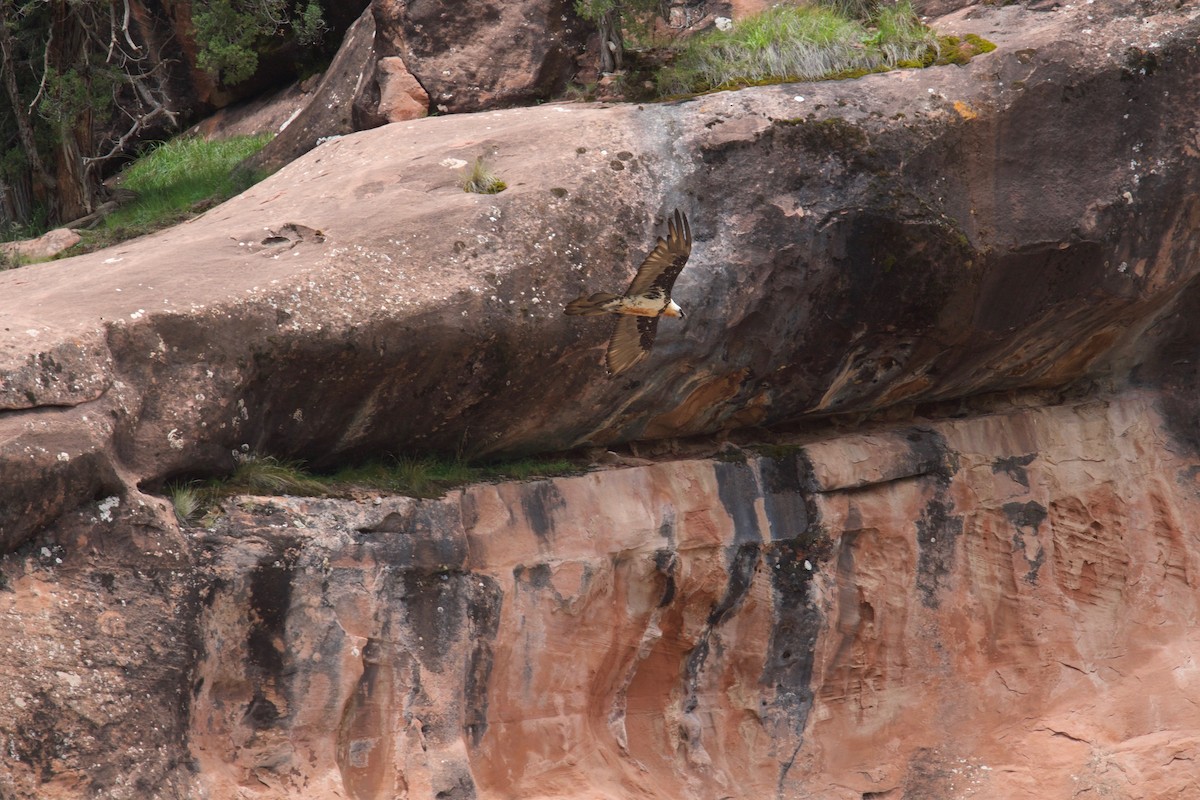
{"points": [[930, 454], [787, 485], [938, 530], [665, 564], [1014, 467], [1027, 518], [537, 576], [539, 502], [261, 713], [743, 561], [463, 787], [270, 600], [435, 603], [788, 667], [737, 489], [1139, 64], [938, 527], [667, 529], [42, 744], [428, 536], [742, 564], [483, 613]]}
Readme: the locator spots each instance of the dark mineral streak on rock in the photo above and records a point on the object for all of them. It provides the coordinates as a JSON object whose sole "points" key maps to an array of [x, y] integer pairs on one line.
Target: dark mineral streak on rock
{"points": [[1014, 467], [938, 528], [787, 484], [539, 506], [796, 624], [736, 483], [483, 611], [1027, 518], [270, 602]]}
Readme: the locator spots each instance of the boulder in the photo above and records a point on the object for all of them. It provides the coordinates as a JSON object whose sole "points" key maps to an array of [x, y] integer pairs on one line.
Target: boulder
{"points": [[331, 109], [476, 56], [48, 245], [401, 97]]}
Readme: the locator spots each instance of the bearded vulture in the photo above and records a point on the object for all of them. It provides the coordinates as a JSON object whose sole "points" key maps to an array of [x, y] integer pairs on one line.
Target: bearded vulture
{"points": [[647, 298]]}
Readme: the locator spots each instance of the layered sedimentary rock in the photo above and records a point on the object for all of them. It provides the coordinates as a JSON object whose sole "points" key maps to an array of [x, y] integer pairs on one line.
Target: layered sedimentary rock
{"points": [[999, 606], [913, 237]]}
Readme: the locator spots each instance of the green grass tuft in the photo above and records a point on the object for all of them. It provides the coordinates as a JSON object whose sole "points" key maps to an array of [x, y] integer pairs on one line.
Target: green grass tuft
{"points": [[429, 476], [480, 179], [174, 182], [187, 500], [900, 36], [423, 477], [782, 43], [270, 475]]}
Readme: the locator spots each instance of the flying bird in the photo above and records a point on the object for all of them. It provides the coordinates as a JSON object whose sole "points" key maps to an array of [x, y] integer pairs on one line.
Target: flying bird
{"points": [[647, 298]]}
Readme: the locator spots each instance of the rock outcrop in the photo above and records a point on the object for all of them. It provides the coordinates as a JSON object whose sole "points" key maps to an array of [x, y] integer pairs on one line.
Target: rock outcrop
{"points": [[962, 299], [901, 239], [996, 606]]}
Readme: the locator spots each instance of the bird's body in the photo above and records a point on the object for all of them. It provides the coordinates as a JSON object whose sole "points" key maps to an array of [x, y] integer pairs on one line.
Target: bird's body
{"points": [[647, 298]]}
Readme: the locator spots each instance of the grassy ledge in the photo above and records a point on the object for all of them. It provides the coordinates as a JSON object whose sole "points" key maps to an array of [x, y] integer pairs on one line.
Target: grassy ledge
{"points": [[424, 477]]}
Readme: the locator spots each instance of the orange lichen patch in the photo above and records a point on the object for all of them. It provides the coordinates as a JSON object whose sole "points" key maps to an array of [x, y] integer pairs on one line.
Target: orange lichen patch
{"points": [[964, 110]]}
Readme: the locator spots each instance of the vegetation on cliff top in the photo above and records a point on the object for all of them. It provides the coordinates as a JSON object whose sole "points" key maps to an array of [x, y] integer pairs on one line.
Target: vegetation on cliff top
{"points": [[797, 43], [827, 39], [174, 181], [86, 86]]}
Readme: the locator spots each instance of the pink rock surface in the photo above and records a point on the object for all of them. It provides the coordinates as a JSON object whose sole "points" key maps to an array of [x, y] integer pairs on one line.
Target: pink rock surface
{"points": [[1014, 618]]}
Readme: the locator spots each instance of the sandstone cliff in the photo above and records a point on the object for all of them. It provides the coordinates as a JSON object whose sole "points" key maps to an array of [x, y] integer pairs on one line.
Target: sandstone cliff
{"points": [[960, 300]]}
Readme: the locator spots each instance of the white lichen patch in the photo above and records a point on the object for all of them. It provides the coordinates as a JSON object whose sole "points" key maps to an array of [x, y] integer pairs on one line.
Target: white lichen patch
{"points": [[106, 506]]}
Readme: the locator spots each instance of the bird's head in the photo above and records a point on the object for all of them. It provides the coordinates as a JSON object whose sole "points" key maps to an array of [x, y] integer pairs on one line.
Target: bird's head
{"points": [[673, 310]]}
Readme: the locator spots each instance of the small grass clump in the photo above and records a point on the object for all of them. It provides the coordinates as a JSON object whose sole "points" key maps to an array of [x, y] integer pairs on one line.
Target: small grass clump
{"points": [[269, 475], [265, 475], [480, 179], [175, 181], [187, 499], [800, 43]]}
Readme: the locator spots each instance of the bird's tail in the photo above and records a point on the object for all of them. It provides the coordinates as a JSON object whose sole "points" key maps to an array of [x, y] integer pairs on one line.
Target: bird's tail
{"points": [[590, 306]]}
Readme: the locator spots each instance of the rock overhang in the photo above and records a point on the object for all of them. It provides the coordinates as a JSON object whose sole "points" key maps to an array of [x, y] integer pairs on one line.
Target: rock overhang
{"points": [[898, 239]]}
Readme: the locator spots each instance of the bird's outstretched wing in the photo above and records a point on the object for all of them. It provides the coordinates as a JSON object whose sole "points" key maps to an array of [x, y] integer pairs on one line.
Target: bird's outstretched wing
{"points": [[631, 341], [665, 262]]}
